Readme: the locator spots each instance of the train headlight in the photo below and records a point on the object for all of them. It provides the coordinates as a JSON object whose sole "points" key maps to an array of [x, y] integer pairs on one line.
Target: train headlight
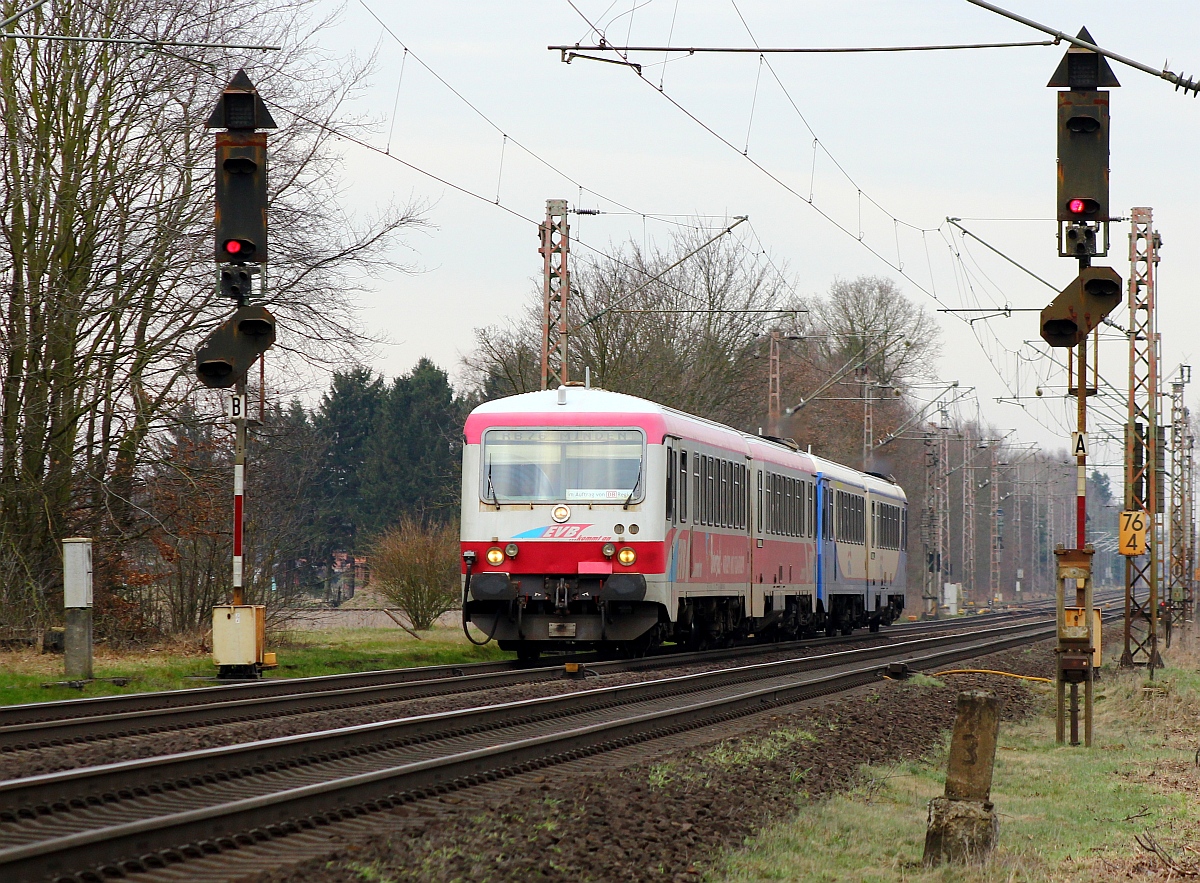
{"points": [[495, 556], [511, 550], [609, 550], [560, 514], [627, 556]]}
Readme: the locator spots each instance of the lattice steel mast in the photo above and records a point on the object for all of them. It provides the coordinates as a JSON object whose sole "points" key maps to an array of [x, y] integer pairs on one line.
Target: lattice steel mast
{"points": [[1178, 581], [968, 526], [1141, 444], [556, 286], [997, 515], [774, 401], [942, 532]]}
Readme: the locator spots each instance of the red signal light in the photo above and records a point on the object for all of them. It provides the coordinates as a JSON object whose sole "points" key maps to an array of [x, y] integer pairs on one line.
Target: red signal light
{"points": [[1081, 205], [234, 247], [242, 248]]}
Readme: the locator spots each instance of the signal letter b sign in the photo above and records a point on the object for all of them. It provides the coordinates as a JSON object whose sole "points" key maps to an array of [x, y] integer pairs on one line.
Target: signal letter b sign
{"points": [[235, 407]]}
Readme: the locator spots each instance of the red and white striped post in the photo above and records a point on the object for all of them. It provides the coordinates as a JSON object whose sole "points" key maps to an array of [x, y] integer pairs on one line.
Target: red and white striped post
{"points": [[239, 489]]}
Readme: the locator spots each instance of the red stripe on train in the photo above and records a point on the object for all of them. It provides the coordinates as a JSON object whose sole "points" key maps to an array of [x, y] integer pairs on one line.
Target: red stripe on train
{"points": [[562, 558]]}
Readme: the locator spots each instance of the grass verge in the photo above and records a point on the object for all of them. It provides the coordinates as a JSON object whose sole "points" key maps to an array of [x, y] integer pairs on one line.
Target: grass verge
{"points": [[179, 666], [1124, 810]]}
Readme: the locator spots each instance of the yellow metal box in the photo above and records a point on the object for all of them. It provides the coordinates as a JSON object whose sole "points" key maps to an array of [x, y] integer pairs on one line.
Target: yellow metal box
{"points": [[1075, 629], [239, 634]]}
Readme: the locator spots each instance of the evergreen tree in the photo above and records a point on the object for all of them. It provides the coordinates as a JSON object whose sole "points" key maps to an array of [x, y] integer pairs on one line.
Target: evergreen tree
{"points": [[345, 421], [412, 459]]}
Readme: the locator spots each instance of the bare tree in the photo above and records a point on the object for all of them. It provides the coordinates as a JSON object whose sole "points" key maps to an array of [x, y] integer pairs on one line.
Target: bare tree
{"points": [[690, 339], [105, 238], [415, 566], [870, 319]]}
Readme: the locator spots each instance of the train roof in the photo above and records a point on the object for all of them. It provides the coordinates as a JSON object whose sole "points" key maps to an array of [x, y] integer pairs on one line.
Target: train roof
{"points": [[580, 406]]}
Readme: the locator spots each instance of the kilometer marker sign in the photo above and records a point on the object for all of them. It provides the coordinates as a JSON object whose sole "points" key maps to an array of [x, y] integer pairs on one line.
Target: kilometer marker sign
{"points": [[1132, 534]]}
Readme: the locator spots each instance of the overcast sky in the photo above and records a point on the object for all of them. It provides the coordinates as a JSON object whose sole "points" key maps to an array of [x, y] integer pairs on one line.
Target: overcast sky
{"points": [[906, 140]]}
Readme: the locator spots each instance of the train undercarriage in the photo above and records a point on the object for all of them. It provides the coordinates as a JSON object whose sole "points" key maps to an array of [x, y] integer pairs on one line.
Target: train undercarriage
{"points": [[562, 615]]}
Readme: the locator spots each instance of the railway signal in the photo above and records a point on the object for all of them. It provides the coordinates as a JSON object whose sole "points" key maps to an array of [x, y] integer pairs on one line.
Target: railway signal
{"points": [[224, 357], [1081, 306], [241, 226], [1083, 217], [1083, 137]]}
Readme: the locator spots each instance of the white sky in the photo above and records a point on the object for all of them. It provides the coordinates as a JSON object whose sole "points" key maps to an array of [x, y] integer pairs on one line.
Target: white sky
{"points": [[967, 134]]}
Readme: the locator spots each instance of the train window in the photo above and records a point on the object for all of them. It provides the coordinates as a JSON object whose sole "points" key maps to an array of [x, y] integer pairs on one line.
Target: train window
{"points": [[787, 506], [766, 523], [683, 487], [774, 503], [737, 495], [773, 518], [670, 484], [781, 505], [562, 465], [697, 502], [724, 493], [791, 498], [758, 524], [812, 506], [744, 497], [736, 484], [739, 486], [706, 477]]}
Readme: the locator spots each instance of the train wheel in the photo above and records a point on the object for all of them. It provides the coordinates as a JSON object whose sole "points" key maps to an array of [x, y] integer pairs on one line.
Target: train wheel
{"points": [[528, 654], [874, 626]]}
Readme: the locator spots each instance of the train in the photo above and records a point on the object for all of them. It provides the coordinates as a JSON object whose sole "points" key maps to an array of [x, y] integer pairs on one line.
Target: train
{"points": [[595, 520]]}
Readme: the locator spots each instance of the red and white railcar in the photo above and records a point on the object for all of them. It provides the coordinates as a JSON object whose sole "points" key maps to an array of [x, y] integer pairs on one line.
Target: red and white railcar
{"points": [[596, 519]]}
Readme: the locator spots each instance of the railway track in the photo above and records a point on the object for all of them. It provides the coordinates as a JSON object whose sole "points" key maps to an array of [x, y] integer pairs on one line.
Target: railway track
{"points": [[160, 811], [109, 717]]}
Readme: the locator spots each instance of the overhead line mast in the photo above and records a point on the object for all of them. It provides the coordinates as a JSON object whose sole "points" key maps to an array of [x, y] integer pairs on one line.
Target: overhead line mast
{"points": [[1142, 493], [555, 248]]}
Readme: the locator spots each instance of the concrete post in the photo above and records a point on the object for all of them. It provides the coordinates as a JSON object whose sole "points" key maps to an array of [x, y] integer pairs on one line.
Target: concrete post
{"points": [[963, 825], [77, 598]]}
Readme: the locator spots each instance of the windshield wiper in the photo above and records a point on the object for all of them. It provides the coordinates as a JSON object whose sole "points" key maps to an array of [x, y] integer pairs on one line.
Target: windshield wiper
{"points": [[636, 482], [492, 487]]}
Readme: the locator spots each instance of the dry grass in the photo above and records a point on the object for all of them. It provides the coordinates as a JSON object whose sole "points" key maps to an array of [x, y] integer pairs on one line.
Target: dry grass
{"points": [[1126, 810]]}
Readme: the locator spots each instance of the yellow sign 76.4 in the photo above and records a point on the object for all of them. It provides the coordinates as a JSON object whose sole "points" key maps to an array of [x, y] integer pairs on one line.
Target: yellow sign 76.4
{"points": [[1132, 533]]}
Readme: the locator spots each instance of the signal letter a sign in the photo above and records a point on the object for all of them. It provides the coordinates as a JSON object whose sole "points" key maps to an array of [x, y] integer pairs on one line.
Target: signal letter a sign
{"points": [[1079, 444]]}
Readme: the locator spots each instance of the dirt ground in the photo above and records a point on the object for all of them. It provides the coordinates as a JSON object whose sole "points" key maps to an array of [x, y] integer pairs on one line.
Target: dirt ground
{"points": [[667, 819]]}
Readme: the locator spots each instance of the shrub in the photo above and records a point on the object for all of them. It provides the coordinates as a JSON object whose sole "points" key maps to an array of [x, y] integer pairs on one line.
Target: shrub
{"points": [[415, 566]]}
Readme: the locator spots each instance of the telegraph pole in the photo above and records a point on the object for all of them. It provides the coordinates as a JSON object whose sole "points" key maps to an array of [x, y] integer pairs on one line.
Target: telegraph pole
{"points": [[556, 288]]}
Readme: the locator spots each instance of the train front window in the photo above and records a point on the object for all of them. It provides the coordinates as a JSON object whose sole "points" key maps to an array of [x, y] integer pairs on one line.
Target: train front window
{"points": [[562, 466]]}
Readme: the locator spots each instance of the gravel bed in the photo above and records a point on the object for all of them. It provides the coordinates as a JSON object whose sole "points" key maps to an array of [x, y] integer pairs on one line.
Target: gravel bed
{"points": [[655, 816], [37, 761]]}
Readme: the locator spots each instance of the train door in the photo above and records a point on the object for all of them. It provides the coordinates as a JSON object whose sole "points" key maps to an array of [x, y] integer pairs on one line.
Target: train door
{"points": [[676, 514], [758, 554], [826, 546]]}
